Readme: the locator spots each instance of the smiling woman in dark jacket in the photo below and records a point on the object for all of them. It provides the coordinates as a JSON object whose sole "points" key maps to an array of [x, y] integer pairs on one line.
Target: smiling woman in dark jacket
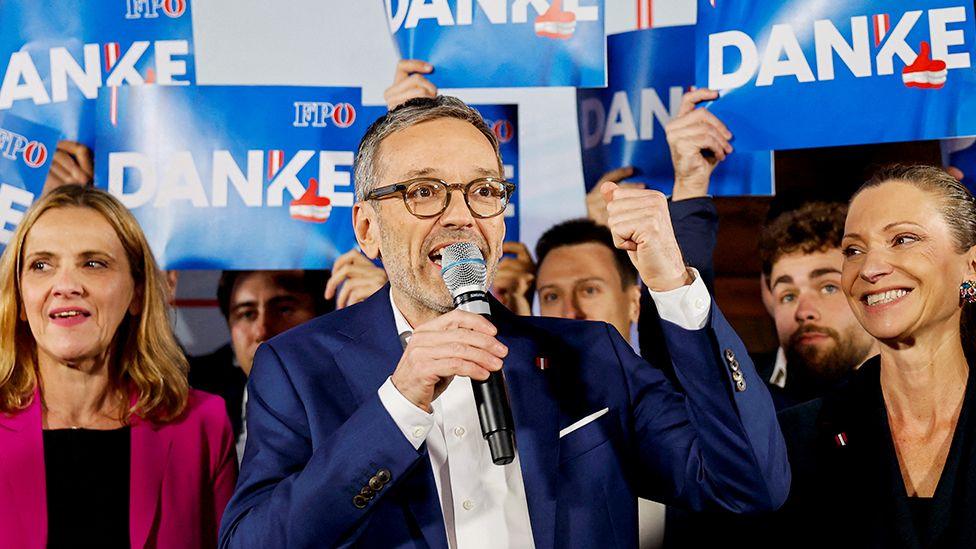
{"points": [[889, 459]]}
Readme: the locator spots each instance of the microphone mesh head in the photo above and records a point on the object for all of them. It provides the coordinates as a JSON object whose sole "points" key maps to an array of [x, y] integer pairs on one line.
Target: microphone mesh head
{"points": [[463, 266]]}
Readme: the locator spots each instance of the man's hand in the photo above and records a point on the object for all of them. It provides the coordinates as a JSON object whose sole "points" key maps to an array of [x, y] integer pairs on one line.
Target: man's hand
{"points": [[513, 281], [690, 133], [596, 206], [409, 82], [71, 165], [358, 277], [641, 224], [457, 343]]}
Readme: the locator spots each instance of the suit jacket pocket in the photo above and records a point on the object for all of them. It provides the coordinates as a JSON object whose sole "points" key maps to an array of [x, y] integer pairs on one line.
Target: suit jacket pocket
{"points": [[587, 437]]}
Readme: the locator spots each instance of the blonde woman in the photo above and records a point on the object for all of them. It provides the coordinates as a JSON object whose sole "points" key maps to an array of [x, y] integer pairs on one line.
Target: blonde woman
{"points": [[102, 442], [889, 459]]}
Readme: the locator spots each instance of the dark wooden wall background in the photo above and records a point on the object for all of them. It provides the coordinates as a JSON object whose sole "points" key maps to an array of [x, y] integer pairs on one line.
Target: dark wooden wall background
{"points": [[810, 174]]}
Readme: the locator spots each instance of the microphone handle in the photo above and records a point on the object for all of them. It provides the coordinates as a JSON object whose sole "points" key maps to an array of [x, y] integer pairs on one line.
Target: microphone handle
{"points": [[491, 395]]}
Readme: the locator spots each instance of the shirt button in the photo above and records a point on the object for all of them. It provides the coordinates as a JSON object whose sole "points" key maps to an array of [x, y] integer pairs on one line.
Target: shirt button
{"points": [[699, 304], [468, 505], [419, 432], [459, 431]]}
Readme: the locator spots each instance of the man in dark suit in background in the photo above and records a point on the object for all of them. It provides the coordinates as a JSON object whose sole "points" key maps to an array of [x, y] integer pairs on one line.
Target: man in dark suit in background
{"points": [[257, 305], [821, 341], [363, 426]]}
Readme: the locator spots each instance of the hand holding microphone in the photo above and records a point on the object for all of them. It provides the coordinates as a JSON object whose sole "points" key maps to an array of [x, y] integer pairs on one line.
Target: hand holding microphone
{"points": [[461, 342]]}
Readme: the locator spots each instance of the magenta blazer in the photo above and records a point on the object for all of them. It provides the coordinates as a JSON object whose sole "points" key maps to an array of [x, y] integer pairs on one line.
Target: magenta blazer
{"points": [[182, 474]]}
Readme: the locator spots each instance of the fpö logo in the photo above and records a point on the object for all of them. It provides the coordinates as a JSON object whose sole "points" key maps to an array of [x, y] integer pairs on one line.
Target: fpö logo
{"points": [[869, 51], [555, 20], [503, 129], [318, 114], [14, 146], [150, 9]]}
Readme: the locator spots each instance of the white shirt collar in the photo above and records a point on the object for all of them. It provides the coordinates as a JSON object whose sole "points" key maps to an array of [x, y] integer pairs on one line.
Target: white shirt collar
{"points": [[401, 321]]}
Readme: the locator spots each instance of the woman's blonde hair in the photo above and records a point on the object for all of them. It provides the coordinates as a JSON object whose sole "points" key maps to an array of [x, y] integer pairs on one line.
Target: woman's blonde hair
{"points": [[147, 363]]}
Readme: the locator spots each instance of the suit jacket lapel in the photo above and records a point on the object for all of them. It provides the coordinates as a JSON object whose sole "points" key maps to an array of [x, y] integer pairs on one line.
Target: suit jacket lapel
{"points": [[150, 451], [371, 356], [22, 470], [536, 420]]}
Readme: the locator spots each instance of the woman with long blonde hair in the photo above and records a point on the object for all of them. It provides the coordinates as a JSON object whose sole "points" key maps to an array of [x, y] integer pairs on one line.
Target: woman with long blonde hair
{"points": [[102, 441]]}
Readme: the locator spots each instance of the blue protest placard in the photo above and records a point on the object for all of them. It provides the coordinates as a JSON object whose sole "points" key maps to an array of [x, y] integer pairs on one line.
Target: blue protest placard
{"points": [[501, 43], [799, 73], [623, 125], [235, 177], [57, 56], [26, 150], [503, 121]]}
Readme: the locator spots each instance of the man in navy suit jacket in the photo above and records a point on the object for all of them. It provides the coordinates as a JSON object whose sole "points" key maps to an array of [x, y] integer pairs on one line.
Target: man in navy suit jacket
{"points": [[364, 435]]}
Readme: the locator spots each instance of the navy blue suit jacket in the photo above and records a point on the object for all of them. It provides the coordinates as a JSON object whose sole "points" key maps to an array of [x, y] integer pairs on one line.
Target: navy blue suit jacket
{"points": [[317, 433]]}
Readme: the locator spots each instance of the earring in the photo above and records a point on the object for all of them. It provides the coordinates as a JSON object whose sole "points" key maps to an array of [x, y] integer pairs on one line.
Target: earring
{"points": [[967, 292]]}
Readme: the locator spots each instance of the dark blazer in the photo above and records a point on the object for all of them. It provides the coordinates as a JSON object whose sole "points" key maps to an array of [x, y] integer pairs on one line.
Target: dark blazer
{"points": [[217, 374], [695, 223], [318, 433], [848, 490]]}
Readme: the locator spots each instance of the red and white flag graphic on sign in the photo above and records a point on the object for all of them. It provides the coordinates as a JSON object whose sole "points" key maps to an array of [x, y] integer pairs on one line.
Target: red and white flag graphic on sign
{"points": [[925, 72], [882, 24], [276, 159], [645, 14], [112, 54], [311, 207], [556, 22]]}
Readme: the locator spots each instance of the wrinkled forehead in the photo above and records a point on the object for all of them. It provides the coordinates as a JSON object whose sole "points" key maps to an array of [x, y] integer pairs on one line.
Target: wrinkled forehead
{"points": [[89, 232], [444, 148], [877, 209]]}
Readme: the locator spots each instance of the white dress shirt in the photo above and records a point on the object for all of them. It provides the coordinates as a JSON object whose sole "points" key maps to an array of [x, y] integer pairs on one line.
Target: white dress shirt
{"points": [[484, 504]]}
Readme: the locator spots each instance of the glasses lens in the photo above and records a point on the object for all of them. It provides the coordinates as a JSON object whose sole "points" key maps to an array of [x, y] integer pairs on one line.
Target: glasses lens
{"points": [[425, 197], [487, 197]]}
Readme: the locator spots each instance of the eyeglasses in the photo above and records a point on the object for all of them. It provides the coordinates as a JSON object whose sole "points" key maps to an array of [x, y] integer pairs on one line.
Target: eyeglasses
{"points": [[426, 197]]}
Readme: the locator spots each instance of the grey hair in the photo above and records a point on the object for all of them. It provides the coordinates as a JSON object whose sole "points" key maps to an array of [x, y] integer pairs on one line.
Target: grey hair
{"points": [[411, 113], [958, 206]]}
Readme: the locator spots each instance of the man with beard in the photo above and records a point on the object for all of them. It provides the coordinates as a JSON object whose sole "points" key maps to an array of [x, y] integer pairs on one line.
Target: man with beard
{"points": [[820, 339], [363, 427]]}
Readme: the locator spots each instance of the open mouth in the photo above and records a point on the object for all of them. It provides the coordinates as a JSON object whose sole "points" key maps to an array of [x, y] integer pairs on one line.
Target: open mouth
{"points": [[68, 316], [886, 297], [435, 257]]}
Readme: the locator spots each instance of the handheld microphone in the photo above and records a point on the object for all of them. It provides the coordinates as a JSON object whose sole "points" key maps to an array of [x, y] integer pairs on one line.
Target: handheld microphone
{"points": [[466, 276]]}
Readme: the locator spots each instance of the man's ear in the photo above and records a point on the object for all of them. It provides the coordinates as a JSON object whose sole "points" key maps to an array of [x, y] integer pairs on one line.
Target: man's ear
{"points": [[633, 303], [766, 293], [365, 224]]}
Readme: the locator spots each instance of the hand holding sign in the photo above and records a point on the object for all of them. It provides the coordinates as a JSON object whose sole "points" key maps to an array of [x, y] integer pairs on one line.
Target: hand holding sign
{"points": [[641, 224], [690, 134], [72, 165], [409, 82], [513, 280], [354, 278]]}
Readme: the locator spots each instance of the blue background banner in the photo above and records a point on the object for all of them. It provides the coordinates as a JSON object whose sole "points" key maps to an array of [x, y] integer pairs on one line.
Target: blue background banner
{"points": [[223, 180], [26, 151], [623, 125], [58, 55], [799, 74], [492, 44]]}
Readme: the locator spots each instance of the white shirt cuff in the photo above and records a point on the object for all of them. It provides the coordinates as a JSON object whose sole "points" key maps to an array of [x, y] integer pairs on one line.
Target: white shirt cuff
{"points": [[413, 422], [687, 306]]}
